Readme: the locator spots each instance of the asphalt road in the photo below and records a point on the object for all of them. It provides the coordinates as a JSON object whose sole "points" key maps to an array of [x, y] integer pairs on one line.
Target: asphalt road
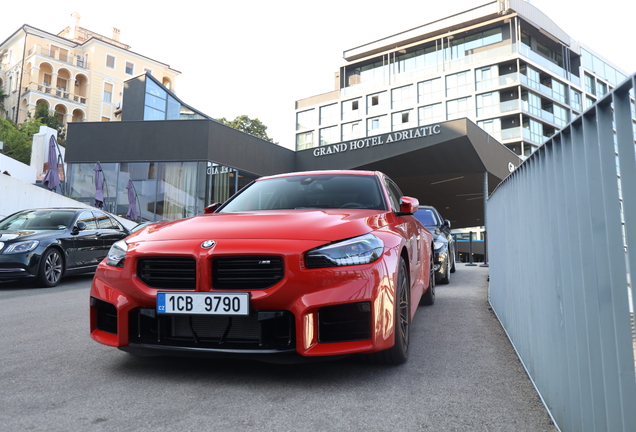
{"points": [[462, 375]]}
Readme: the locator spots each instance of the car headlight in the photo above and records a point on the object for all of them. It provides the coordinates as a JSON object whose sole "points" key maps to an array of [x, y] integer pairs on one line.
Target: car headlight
{"points": [[21, 247], [117, 254], [438, 245], [359, 250]]}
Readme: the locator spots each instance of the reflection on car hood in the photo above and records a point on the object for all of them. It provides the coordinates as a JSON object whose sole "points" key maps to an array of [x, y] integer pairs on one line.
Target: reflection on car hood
{"points": [[306, 224], [28, 234]]}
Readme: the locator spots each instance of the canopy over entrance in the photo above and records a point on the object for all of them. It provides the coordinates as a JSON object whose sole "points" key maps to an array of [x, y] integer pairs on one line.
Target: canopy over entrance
{"points": [[442, 165]]}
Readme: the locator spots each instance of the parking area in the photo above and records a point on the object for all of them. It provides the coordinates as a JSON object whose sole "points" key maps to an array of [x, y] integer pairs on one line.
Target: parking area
{"points": [[462, 374]]}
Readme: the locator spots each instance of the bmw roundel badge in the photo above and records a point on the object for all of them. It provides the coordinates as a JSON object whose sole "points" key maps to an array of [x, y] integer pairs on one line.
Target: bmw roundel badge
{"points": [[208, 244]]}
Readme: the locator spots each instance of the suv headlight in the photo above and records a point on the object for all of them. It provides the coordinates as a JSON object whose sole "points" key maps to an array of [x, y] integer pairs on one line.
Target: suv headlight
{"points": [[21, 247], [358, 250], [117, 254]]}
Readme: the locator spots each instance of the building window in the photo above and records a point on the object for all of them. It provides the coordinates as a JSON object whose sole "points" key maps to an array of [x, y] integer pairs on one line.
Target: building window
{"points": [[403, 120], [575, 97], [459, 108], [458, 84], [130, 68], [486, 78], [525, 38], [110, 61], [431, 114], [590, 87], [377, 125], [329, 114], [534, 79], [155, 102], [351, 130], [305, 120], [329, 135], [488, 104], [351, 109], [559, 91], [533, 130], [492, 126], [561, 115], [305, 140], [462, 47], [377, 103], [402, 97], [430, 91], [531, 103], [108, 92], [601, 88]]}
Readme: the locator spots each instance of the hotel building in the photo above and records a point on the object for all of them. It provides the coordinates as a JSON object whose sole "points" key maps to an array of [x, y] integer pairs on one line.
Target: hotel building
{"points": [[78, 74], [504, 65]]}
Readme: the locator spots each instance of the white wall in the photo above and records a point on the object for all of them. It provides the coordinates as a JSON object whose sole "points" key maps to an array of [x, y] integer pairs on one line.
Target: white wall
{"points": [[16, 195], [18, 190], [17, 169]]}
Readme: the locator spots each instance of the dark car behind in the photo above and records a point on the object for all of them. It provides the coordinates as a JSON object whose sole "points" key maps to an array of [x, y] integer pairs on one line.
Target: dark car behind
{"points": [[43, 245], [444, 243]]}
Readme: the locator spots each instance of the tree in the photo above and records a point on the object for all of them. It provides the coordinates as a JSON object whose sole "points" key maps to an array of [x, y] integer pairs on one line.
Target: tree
{"points": [[251, 126], [3, 96], [49, 118], [18, 140]]}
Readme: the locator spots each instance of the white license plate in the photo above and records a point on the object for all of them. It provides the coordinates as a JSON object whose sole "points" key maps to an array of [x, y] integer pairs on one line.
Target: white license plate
{"points": [[203, 303]]}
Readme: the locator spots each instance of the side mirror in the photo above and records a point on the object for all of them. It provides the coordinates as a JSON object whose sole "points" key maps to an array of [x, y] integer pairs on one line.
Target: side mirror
{"points": [[211, 208], [80, 226], [408, 205], [447, 223]]}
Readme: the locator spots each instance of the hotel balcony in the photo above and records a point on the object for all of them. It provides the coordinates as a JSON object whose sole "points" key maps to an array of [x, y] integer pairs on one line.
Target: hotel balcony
{"points": [[61, 55], [59, 93]]}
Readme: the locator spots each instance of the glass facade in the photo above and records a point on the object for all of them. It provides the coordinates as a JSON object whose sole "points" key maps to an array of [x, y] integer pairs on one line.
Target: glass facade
{"points": [[159, 104], [163, 190]]}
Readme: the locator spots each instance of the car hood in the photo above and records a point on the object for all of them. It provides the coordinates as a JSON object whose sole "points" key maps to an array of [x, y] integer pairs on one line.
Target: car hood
{"points": [[25, 234], [322, 225]]}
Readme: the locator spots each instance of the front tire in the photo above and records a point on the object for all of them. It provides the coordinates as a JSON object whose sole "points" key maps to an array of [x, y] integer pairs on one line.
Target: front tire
{"points": [[51, 268], [446, 279], [398, 353]]}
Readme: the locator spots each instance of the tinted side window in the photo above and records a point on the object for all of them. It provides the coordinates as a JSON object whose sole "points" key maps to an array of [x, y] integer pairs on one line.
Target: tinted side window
{"points": [[105, 222], [88, 218], [394, 194]]}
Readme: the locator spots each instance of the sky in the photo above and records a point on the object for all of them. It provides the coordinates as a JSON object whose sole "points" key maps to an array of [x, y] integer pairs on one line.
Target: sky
{"points": [[257, 57]]}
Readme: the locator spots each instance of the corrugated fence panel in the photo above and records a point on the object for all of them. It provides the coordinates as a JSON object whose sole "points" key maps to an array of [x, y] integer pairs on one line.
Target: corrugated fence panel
{"points": [[559, 230]]}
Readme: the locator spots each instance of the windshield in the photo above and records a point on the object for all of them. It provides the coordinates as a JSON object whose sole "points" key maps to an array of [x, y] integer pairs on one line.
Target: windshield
{"points": [[38, 220], [426, 217], [309, 191]]}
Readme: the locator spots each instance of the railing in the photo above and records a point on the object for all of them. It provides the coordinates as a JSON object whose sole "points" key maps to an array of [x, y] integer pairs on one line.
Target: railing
{"points": [[68, 58], [55, 92], [560, 232]]}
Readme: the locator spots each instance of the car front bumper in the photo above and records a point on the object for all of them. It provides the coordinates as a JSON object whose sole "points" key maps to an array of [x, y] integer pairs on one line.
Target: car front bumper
{"points": [[310, 312]]}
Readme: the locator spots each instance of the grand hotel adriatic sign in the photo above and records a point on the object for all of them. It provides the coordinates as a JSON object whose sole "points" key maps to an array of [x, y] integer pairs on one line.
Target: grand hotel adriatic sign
{"points": [[389, 138]]}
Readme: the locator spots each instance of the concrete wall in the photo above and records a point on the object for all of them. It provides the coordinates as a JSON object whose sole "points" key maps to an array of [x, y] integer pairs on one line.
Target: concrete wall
{"points": [[17, 169]]}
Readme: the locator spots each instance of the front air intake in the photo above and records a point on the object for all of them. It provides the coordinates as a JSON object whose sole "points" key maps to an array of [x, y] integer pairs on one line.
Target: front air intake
{"points": [[246, 272], [168, 272]]}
